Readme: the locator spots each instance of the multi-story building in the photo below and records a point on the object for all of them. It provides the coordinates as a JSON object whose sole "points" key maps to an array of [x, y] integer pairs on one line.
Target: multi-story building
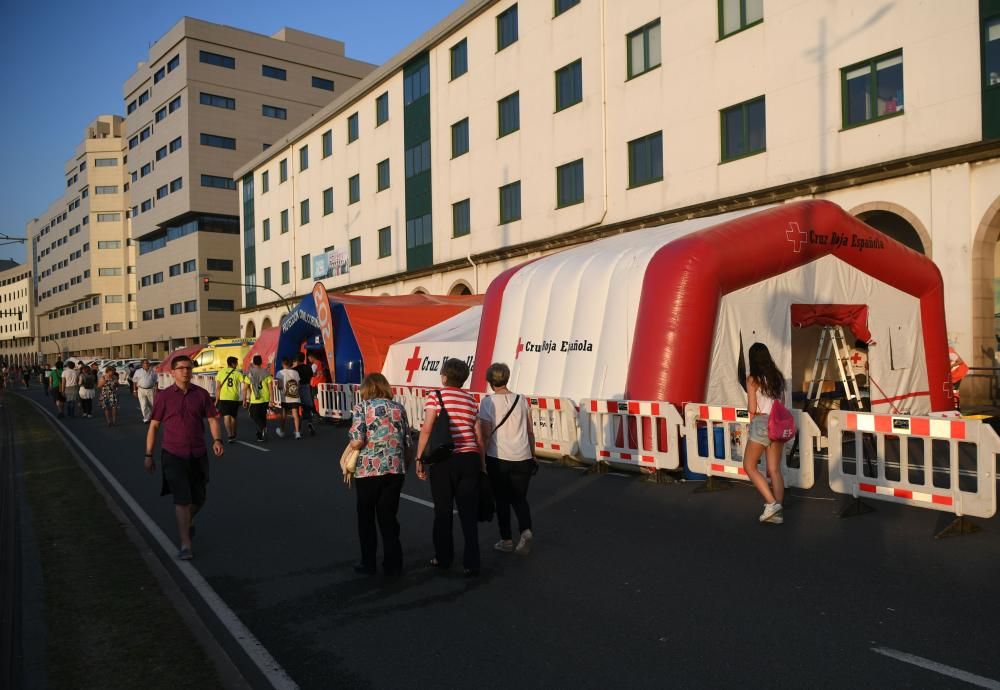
{"points": [[208, 99], [17, 314], [513, 129], [82, 259]]}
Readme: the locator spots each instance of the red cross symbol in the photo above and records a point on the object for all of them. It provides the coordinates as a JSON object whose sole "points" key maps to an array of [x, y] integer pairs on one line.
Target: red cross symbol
{"points": [[856, 358], [790, 236], [413, 363], [520, 349]]}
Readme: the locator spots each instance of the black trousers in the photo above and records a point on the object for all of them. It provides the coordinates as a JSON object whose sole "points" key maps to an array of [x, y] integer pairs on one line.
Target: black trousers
{"points": [[456, 481], [258, 414], [87, 404], [510, 490], [378, 498]]}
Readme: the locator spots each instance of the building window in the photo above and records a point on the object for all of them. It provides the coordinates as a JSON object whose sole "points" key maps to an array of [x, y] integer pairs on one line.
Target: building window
{"points": [[161, 153], [265, 182], [217, 101], [108, 217], [160, 114], [321, 83], [274, 111], [304, 212], [145, 133], [175, 308], [569, 85], [217, 60], [384, 242], [510, 202], [419, 231], [327, 144], [506, 28], [509, 114], [736, 15], [285, 273], [355, 251], [133, 142], [643, 47], [328, 201], [174, 63], [460, 138], [218, 141], [131, 108], [382, 170], [267, 277], [459, 59], [991, 52], [282, 170], [143, 97], [105, 162], [157, 277], [352, 128], [563, 5], [161, 192], [417, 84], [109, 244], [417, 159], [217, 182], [382, 109], [743, 129], [461, 220], [175, 145], [219, 264], [265, 230], [113, 299], [147, 315], [873, 89], [145, 169], [177, 184], [190, 305], [569, 184], [645, 160], [105, 189], [158, 313], [305, 266], [174, 104], [273, 72], [354, 189], [109, 271], [284, 221], [220, 305], [174, 270], [303, 158]]}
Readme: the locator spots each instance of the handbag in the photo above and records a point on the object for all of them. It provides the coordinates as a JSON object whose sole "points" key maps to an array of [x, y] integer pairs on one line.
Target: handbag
{"points": [[440, 445], [780, 423], [349, 463]]}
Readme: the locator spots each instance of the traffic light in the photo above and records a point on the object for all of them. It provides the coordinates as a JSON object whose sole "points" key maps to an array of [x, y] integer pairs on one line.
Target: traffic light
{"points": [[205, 281]]}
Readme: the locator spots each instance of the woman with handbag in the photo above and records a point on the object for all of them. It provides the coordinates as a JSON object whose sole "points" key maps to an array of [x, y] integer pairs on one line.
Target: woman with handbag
{"points": [[510, 458], [454, 466], [765, 389], [380, 433]]}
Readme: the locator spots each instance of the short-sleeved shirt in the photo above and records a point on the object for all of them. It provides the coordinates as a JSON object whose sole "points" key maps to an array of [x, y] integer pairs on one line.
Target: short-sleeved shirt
{"points": [[462, 414], [383, 427], [182, 414], [509, 442], [55, 375], [305, 373], [289, 385], [265, 389], [71, 377], [144, 378], [229, 381]]}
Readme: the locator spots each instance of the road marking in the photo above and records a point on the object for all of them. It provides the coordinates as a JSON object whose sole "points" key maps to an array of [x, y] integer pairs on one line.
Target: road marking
{"points": [[944, 670], [255, 447], [255, 651], [422, 502]]}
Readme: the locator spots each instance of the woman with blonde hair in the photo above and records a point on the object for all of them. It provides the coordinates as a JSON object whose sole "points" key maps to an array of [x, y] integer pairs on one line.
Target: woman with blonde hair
{"points": [[380, 432]]}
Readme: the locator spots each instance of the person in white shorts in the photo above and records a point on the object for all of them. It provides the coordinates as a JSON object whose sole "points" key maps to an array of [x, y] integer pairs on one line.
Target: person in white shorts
{"points": [[288, 383]]}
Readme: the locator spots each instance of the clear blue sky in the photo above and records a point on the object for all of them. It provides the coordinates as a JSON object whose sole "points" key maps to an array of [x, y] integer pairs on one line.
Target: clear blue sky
{"points": [[63, 63]]}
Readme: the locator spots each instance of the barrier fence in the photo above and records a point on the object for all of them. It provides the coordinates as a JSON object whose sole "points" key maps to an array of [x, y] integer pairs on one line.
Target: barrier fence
{"points": [[630, 432], [924, 462], [716, 441], [336, 400]]}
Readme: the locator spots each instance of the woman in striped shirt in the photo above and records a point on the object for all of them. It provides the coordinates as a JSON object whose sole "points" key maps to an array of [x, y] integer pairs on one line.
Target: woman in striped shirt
{"points": [[455, 480]]}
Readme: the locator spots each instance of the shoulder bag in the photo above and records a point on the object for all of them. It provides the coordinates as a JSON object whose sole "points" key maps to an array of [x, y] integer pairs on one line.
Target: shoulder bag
{"points": [[506, 416], [440, 445], [349, 458]]}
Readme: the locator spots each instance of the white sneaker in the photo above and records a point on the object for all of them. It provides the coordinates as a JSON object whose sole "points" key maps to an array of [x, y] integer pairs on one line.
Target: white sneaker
{"points": [[524, 544], [504, 546], [280, 433], [772, 513], [298, 435]]}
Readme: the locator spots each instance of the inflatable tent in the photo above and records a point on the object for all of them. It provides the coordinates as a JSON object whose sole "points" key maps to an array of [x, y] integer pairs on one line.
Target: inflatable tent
{"points": [[357, 330], [668, 313], [417, 360], [191, 351], [266, 346]]}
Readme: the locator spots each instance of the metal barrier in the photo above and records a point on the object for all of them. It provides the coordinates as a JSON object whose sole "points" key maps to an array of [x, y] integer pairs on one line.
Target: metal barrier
{"points": [[336, 400], [630, 432], [717, 438], [924, 462]]}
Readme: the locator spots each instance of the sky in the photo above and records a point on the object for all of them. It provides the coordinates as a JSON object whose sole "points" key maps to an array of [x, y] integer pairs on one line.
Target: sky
{"points": [[63, 63]]}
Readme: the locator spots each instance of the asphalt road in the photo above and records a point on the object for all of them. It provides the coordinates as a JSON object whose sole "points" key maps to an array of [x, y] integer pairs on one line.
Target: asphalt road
{"points": [[630, 584]]}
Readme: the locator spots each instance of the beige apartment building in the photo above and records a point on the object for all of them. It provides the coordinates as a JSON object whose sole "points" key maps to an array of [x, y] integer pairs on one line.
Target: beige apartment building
{"points": [[17, 314], [513, 129], [208, 99], [82, 260]]}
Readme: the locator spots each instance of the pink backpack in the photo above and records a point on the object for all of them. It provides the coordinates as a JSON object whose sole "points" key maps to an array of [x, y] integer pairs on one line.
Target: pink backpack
{"points": [[780, 423]]}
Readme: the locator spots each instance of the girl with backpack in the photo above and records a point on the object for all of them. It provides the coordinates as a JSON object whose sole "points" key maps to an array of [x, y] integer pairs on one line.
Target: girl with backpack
{"points": [[770, 427]]}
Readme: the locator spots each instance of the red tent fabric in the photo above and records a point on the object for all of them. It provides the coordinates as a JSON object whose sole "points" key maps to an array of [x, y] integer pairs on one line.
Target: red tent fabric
{"points": [[191, 351], [266, 346], [854, 316]]}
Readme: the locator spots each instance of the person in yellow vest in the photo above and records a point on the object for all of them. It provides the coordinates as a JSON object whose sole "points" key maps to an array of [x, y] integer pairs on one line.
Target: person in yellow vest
{"points": [[257, 395], [228, 387]]}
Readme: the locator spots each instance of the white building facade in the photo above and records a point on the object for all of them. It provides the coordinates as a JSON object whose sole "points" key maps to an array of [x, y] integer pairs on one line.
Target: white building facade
{"points": [[515, 129], [18, 344]]}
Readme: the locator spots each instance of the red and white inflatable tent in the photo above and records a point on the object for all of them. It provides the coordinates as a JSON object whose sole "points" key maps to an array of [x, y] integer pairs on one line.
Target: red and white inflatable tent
{"points": [[660, 314], [417, 360]]}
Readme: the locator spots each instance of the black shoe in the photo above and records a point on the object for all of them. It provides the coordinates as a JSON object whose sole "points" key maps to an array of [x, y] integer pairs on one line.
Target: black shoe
{"points": [[232, 439], [362, 569]]}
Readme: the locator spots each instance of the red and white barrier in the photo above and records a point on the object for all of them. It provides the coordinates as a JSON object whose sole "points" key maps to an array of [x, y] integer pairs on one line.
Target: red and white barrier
{"points": [[630, 432], [555, 422], [707, 456], [206, 381], [336, 400], [924, 462]]}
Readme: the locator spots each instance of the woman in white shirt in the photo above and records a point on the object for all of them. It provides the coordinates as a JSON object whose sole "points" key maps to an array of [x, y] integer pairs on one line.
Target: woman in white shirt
{"points": [[510, 458], [765, 384]]}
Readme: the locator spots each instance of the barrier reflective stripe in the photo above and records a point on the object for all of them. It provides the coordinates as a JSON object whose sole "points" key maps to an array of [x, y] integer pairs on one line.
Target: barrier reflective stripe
{"points": [[336, 400], [719, 449], [206, 381], [632, 432], [924, 462]]}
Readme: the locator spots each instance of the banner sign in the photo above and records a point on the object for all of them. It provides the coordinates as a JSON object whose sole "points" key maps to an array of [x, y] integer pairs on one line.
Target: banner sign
{"points": [[331, 264], [325, 318]]}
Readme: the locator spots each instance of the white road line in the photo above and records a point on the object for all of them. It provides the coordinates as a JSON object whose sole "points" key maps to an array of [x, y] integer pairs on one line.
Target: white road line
{"points": [[258, 654], [417, 500], [934, 666], [255, 447]]}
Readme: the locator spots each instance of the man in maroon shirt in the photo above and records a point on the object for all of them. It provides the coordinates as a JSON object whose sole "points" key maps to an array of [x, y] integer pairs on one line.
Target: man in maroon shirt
{"points": [[181, 409]]}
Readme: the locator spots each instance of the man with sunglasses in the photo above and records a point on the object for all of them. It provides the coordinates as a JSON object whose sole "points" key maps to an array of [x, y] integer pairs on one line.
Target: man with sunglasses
{"points": [[182, 409]]}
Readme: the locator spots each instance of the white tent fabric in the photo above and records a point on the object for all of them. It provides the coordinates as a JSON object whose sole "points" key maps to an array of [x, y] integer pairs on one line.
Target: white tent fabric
{"points": [[416, 361]]}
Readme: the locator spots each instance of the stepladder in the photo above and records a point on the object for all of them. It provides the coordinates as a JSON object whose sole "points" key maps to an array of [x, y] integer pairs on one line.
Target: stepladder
{"points": [[833, 365]]}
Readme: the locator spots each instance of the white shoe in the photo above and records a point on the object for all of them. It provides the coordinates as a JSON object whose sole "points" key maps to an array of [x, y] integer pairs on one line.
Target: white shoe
{"points": [[280, 433], [772, 513], [504, 546], [298, 435], [524, 544]]}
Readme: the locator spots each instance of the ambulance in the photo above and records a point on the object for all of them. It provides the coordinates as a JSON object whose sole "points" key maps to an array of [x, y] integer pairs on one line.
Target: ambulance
{"points": [[214, 355]]}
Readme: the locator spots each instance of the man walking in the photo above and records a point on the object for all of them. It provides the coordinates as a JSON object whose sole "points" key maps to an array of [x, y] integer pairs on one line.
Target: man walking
{"points": [[288, 384], [70, 387], [181, 409], [257, 396], [228, 384], [143, 381], [305, 373]]}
